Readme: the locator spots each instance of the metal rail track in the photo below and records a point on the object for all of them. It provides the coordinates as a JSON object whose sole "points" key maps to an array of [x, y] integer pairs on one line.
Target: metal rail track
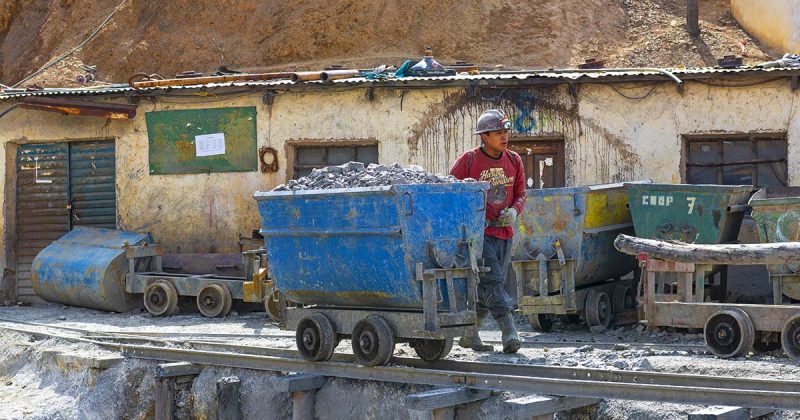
{"points": [[525, 343], [578, 382]]}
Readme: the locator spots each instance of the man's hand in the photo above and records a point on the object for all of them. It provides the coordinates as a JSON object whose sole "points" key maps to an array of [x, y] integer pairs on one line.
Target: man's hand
{"points": [[507, 216]]}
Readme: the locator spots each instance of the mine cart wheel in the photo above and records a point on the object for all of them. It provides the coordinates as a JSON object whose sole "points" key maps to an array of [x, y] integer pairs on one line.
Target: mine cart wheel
{"points": [[729, 333], [598, 309], [161, 298], [622, 299], [315, 338], [541, 322], [373, 341], [790, 337], [214, 300], [432, 350], [275, 305]]}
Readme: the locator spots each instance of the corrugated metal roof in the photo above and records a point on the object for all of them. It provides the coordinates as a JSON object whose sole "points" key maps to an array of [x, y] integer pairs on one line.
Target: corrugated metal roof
{"points": [[550, 76]]}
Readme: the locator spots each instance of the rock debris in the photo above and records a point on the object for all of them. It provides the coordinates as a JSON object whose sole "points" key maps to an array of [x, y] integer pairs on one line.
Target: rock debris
{"points": [[356, 174]]}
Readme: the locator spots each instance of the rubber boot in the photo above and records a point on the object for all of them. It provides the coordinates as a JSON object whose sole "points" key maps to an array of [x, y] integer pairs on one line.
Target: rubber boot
{"points": [[472, 340], [511, 341]]}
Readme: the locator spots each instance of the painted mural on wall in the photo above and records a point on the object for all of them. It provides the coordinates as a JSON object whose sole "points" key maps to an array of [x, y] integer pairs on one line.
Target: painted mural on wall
{"points": [[593, 155]]}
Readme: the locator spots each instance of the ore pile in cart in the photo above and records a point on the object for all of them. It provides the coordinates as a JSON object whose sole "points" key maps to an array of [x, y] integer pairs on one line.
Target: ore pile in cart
{"points": [[729, 329], [380, 265], [119, 271], [564, 259]]}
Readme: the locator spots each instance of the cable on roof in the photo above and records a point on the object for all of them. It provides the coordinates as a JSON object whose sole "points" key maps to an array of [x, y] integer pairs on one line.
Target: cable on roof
{"points": [[79, 46], [652, 88]]}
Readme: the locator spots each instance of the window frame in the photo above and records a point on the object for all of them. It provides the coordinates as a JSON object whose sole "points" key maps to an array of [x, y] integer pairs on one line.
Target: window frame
{"points": [[294, 147], [752, 138]]}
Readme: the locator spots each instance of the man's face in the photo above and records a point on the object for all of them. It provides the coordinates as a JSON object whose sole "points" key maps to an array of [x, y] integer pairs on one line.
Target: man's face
{"points": [[495, 142]]}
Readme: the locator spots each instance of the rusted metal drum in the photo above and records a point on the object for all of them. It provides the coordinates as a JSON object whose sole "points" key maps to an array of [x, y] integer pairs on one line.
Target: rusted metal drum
{"points": [[87, 267]]}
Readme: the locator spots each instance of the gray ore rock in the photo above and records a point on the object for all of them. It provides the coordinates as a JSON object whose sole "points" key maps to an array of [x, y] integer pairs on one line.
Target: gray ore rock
{"points": [[355, 175]]}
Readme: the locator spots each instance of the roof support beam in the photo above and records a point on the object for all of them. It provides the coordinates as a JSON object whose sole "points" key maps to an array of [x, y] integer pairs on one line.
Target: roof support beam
{"points": [[78, 107]]}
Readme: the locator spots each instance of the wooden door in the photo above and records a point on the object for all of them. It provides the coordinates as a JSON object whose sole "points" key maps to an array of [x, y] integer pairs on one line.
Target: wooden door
{"points": [[543, 161]]}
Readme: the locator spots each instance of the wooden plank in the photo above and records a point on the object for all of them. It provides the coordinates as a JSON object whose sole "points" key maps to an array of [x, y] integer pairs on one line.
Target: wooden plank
{"points": [[169, 370], [694, 315], [228, 406], [728, 413], [539, 405], [299, 382], [444, 397]]}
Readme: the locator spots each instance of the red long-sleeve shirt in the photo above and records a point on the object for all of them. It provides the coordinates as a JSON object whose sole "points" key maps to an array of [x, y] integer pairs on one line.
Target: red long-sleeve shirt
{"points": [[506, 178]]}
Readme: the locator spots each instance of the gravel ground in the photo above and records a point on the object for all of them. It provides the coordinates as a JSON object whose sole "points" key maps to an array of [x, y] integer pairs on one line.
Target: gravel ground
{"points": [[30, 387]]}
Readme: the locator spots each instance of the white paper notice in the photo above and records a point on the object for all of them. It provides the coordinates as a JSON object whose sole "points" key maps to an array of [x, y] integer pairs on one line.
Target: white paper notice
{"points": [[210, 144]]}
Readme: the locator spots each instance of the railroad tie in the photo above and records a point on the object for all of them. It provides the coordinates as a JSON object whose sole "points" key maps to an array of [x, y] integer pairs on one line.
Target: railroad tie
{"points": [[440, 403], [545, 406]]}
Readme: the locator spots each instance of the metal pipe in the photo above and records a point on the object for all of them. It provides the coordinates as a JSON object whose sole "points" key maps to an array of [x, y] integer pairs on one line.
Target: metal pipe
{"points": [[339, 74], [306, 76]]}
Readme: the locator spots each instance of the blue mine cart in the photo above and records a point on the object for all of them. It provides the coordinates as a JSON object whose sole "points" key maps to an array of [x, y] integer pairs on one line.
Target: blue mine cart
{"points": [[564, 258], [378, 264], [119, 271]]}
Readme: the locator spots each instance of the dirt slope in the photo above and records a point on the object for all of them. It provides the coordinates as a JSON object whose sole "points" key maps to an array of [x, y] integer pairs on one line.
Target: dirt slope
{"points": [[169, 37]]}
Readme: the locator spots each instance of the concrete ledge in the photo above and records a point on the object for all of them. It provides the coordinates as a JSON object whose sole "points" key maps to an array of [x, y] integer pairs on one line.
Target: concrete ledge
{"points": [[83, 361]]}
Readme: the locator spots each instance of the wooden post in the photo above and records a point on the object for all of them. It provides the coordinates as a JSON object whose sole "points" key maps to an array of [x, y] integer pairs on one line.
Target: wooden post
{"points": [[228, 407], [303, 388], [693, 17], [165, 398]]}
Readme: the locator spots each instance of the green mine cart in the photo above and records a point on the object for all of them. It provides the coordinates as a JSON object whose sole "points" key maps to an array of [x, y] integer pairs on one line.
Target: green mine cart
{"points": [[699, 214], [776, 211], [564, 258]]}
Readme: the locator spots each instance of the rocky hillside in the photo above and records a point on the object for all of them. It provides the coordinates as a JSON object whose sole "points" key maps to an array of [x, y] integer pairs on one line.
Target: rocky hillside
{"points": [[127, 36]]}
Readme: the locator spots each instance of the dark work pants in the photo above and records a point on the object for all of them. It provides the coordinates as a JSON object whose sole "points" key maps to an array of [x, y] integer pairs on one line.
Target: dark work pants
{"points": [[492, 295]]}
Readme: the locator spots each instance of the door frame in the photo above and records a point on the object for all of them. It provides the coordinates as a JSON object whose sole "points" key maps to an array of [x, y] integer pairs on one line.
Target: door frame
{"points": [[551, 144], [8, 280]]}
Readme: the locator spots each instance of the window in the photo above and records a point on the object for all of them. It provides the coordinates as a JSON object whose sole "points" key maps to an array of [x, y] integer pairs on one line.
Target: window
{"points": [[758, 160], [308, 158], [542, 159]]}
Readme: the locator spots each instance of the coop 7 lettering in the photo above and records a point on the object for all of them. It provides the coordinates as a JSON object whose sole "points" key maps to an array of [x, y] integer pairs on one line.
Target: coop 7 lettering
{"points": [[666, 200]]}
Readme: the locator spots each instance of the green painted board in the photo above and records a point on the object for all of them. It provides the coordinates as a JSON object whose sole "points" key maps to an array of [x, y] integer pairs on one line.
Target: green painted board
{"points": [[688, 213], [174, 141]]}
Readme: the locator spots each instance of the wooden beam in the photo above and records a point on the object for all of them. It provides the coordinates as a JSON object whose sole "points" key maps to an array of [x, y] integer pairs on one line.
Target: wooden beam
{"points": [[729, 413], [79, 107], [228, 406], [693, 17], [303, 388], [299, 382], [164, 398], [742, 254], [444, 397], [169, 370], [540, 405]]}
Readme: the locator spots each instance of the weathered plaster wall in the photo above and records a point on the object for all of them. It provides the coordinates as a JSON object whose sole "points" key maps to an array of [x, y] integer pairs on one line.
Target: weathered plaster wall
{"points": [[608, 137], [776, 23]]}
